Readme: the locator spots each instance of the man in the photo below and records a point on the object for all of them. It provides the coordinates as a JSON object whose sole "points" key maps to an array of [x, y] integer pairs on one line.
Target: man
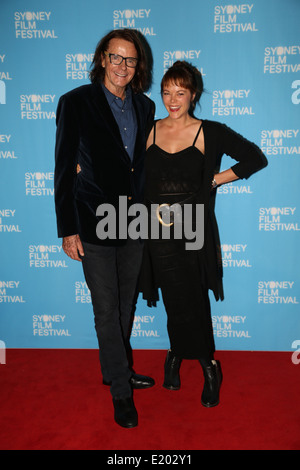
{"points": [[100, 145]]}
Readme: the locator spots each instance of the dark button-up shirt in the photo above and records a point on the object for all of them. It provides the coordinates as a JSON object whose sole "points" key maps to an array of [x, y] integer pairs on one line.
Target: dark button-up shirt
{"points": [[124, 114]]}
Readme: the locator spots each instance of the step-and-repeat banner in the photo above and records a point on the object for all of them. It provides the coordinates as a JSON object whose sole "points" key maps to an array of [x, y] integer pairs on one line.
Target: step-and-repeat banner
{"points": [[249, 55]]}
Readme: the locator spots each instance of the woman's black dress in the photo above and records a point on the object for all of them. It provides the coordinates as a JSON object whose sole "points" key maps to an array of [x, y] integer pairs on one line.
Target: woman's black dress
{"points": [[179, 273]]}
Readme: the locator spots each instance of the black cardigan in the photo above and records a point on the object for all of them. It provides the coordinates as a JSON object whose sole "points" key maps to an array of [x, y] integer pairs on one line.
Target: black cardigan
{"points": [[219, 140]]}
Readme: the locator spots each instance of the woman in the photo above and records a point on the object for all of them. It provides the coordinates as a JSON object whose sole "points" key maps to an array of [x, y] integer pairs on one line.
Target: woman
{"points": [[182, 166]]}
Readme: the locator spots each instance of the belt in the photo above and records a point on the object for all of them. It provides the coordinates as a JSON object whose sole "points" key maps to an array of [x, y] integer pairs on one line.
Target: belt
{"points": [[173, 211]]}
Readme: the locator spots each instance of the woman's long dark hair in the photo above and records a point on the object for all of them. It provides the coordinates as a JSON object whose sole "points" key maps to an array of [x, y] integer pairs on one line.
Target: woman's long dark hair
{"points": [[140, 80]]}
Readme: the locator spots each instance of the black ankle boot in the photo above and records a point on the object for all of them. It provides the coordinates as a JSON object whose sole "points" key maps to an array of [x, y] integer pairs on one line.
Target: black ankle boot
{"points": [[172, 366], [213, 378]]}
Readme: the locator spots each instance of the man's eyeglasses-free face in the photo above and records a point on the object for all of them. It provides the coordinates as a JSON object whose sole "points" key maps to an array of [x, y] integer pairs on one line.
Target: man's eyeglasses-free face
{"points": [[117, 59]]}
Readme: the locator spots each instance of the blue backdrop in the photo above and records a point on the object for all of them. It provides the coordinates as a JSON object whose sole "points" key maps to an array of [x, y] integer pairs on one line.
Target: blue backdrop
{"points": [[249, 54]]}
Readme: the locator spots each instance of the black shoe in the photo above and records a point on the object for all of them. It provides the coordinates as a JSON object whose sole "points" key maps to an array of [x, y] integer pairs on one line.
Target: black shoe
{"points": [[212, 384], [125, 412], [172, 366], [137, 381], [141, 381]]}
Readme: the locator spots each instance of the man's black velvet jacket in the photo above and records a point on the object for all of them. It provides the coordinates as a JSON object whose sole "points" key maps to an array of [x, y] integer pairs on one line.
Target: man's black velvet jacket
{"points": [[88, 135]]}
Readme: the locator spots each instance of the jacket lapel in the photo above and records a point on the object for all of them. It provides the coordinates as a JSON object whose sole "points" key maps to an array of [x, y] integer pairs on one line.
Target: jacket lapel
{"points": [[138, 149]]}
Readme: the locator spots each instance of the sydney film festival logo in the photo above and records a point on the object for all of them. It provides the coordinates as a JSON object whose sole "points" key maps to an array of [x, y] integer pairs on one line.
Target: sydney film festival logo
{"points": [[33, 25], [4, 76], [135, 19], [234, 18], [6, 153]]}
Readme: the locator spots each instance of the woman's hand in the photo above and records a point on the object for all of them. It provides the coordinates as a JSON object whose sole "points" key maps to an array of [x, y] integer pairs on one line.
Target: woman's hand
{"points": [[224, 177]]}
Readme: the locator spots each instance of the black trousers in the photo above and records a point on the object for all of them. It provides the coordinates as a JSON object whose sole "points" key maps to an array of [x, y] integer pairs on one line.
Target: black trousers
{"points": [[111, 274], [179, 275]]}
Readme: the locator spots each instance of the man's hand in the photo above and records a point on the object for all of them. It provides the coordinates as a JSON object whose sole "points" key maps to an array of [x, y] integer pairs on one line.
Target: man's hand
{"points": [[72, 246]]}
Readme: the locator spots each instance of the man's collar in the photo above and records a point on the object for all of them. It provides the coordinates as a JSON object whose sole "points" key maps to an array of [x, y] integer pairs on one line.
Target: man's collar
{"points": [[111, 97]]}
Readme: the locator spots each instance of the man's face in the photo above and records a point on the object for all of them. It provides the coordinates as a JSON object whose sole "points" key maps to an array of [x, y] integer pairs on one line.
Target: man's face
{"points": [[117, 77]]}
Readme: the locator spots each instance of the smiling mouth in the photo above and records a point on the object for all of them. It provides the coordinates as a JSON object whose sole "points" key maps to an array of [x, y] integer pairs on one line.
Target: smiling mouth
{"points": [[121, 75], [174, 109]]}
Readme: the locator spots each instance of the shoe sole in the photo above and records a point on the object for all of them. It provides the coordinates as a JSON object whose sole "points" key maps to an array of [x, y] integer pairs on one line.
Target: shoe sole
{"points": [[135, 387], [208, 405], [127, 426], [171, 387], [138, 387]]}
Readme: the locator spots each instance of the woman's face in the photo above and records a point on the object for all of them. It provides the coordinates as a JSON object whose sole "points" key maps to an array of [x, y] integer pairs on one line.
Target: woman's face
{"points": [[177, 100]]}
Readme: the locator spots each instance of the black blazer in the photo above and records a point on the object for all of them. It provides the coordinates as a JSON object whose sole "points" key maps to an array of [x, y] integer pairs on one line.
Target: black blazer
{"points": [[88, 134]]}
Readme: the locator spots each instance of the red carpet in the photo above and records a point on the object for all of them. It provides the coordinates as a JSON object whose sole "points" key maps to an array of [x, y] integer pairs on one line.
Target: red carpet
{"points": [[54, 399]]}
